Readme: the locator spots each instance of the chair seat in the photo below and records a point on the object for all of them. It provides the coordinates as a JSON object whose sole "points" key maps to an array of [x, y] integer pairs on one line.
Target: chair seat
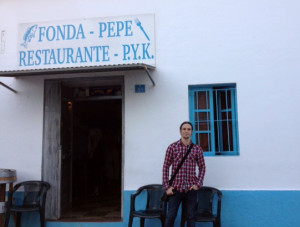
{"points": [[153, 206], [29, 196], [205, 217], [208, 206], [26, 208], [147, 213]]}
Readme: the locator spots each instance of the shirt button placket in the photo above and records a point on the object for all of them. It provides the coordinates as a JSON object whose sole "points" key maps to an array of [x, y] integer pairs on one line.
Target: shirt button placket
{"points": [[185, 173]]}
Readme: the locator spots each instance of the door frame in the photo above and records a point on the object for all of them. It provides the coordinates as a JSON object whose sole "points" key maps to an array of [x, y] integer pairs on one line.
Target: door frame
{"points": [[52, 152]]}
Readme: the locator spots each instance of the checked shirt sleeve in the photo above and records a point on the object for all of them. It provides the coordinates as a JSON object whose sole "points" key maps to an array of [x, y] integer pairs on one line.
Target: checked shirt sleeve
{"points": [[166, 168], [202, 168]]}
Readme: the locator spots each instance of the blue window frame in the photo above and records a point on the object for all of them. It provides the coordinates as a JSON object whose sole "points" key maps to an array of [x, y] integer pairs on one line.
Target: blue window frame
{"points": [[213, 112]]}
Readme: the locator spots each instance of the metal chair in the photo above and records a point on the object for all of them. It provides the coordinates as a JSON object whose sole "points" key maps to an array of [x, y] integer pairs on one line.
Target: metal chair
{"points": [[27, 196], [155, 208], [208, 206]]}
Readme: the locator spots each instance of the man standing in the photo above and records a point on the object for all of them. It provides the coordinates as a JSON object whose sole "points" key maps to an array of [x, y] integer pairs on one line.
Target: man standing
{"points": [[186, 183]]}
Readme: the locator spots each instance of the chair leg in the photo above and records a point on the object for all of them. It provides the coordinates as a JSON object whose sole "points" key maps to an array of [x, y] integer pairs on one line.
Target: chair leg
{"points": [[218, 223], [7, 216], [42, 219], [142, 222], [130, 221], [18, 219], [162, 220], [182, 222]]}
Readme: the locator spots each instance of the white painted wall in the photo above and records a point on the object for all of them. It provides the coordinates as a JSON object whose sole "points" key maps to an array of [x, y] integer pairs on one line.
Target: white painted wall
{"points": [[21, 132], [253, 43]]}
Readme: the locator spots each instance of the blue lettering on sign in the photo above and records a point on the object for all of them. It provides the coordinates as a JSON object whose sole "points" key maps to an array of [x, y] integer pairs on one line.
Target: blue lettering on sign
{"points": [[134, 48], [120, 27], [128, 28], [70, 55], [50, 33], [46, 52], [102, 29], [60, 56], [135, 52], [111, 29], [52, 58], [30, 57], [64, 56], [22, 61], [79, 57], [145, 51], [115, 29], [38, 57], [84, 54], [105, 53], [126, 52], [61, 32]]}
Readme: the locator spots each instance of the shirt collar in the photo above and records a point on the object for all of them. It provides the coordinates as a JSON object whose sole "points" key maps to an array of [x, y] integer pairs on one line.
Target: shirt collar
{"points": [[182, 144]]}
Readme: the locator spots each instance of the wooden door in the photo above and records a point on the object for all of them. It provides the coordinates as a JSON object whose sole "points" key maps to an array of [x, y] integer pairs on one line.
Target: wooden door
{"points": [[51, 147]]}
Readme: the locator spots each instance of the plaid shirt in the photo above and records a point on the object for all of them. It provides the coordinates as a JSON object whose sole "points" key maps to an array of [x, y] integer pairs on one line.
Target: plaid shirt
{"points": [[186, 176]]}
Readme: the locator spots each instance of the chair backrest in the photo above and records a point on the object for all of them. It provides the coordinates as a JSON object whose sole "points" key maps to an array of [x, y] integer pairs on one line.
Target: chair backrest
{"points": [[154, 194], [206, 198], [34, 191]]}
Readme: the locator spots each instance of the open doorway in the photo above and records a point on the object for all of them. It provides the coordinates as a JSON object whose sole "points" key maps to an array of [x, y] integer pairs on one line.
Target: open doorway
{"points": [[96, 164], [89, 173], [96, 130]]}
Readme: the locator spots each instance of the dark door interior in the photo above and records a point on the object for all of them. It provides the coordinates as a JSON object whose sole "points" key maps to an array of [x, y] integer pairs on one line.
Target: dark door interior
{"points": [[96, 158]]}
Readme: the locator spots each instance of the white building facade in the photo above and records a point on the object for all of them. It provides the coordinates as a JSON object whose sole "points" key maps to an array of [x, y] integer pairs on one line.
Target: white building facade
{"points": [[142, 86]]}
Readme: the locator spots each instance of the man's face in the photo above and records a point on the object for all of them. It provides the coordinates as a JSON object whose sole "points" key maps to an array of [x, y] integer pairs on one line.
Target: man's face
{"points": [[186, 131]]}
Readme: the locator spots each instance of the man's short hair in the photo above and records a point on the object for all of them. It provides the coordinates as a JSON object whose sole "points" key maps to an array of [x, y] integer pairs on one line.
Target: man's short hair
{"points": [[186, 122]]}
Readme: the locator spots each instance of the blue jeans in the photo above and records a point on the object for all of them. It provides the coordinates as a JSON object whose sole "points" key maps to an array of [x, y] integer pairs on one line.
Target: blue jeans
{"points": [[190, 200]]}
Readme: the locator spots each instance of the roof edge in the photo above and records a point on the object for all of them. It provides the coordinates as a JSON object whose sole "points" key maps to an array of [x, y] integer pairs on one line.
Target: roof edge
{"points": [[51, 71]]}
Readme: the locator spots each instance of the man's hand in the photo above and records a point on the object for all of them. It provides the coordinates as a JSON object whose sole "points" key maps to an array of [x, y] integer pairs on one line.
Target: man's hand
{"points": [[194, 187], [170, 191]]}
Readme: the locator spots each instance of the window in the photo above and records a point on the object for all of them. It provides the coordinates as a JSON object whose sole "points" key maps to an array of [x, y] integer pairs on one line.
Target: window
{"points": [[213, 113]]}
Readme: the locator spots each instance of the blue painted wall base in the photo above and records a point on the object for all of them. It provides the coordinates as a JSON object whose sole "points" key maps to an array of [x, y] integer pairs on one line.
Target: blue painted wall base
{"points": [[239, 209]]}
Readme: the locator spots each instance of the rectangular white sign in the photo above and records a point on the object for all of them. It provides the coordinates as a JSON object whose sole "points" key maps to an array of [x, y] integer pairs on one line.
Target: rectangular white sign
{"points": [[87, 42]]}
